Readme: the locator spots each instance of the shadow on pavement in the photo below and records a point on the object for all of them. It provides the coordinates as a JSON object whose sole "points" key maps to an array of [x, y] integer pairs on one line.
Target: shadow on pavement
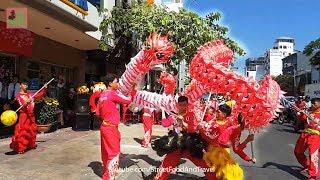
{"points": [[130, 160], [177, 176], [96, 167], [138, 140], [10, 153], [288, 131], [293, 170]]}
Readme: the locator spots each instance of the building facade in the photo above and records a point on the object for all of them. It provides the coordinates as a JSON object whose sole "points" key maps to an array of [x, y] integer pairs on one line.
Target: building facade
{"points": [[283, 47], [256, 68], [54, 42], [271, 63]]}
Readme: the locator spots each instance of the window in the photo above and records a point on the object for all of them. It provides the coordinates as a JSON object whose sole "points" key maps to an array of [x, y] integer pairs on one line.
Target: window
{"points": [[284, 47], [280, 47], [177, 1], [7, 69], [40, 72]]}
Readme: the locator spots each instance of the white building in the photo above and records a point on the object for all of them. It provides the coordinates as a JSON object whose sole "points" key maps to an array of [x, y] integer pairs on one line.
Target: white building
{"points": [[271, 63], [283, 47]]}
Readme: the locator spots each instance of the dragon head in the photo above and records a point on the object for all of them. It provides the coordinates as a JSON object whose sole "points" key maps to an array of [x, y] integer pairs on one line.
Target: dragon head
{"points": [[158, 50]]}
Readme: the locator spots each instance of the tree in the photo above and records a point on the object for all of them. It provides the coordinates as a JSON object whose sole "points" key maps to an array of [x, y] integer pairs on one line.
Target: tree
{"points": [[313, 49], [286, 83], [185, 28]]}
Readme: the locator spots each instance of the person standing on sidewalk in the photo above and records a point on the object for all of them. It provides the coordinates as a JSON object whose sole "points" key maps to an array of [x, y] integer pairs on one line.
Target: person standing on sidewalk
{"points": [[147, 119], [310, 139], [25, 131], [110, 135]]}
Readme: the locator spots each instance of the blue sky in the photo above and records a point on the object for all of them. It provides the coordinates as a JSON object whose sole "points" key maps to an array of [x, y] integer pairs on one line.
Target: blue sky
{"points": [[255, 24]]}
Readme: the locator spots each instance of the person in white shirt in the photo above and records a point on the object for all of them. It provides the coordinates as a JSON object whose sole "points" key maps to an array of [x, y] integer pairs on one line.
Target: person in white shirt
{"points": [[13, 88]]}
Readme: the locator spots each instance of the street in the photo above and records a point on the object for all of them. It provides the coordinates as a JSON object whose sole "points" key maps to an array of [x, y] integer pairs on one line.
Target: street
{"points": [[67, 154]]}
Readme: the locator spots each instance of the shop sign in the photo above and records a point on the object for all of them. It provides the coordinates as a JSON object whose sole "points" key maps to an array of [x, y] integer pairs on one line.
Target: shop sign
{"points": [[16, 18]]}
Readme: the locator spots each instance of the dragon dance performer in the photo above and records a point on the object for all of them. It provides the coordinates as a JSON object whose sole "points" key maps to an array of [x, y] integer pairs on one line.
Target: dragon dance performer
{"points": [[147, 119], [98, 88], [188, 124], [310, 139], [217, 154], [233, 135], [110, 135], [94, 98], [25, 132]]}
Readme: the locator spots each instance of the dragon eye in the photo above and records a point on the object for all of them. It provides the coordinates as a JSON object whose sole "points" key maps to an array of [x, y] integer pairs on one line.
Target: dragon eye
{"points": [[159, 55], [148, 46]]}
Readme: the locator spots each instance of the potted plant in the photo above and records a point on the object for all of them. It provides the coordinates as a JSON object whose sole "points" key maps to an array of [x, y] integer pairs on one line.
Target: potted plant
{"points": [[46, 113]]}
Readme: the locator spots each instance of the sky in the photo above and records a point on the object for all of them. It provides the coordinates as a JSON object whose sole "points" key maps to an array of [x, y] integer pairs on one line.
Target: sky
{"points": [[255, 24]]}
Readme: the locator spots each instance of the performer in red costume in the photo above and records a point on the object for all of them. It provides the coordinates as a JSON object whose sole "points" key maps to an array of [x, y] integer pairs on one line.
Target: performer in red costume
{"points": [[110, 135], [97, 90], [233, 134], [219, 133], [209, 114], [147, 119], [25, 132], [186, 122], [211, 131], [310, 139], [93, 101], [301, 104]]}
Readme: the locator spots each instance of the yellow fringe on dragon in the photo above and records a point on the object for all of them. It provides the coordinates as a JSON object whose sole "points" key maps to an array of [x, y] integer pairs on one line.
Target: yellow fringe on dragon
{"points": [[226, 168]]}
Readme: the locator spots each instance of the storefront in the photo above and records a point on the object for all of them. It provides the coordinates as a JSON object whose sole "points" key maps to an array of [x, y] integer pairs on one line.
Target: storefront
{"points": [[38, 59], [7, 70]]}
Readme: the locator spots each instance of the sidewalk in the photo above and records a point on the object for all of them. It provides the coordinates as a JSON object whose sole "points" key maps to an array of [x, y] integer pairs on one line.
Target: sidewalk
{"points": [[68, 154]]}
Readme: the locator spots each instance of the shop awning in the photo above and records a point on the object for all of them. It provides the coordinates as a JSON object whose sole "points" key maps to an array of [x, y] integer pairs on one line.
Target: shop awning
{"points": [[15, 41]]}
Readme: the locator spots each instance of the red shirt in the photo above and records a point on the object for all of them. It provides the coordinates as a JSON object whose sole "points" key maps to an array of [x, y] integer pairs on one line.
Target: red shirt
{"points": [[191, 120], [301, 105], [94, 98], [208, 117], [212, 131], [314, 124], [21, 98], [233, 134], [107, 108]]}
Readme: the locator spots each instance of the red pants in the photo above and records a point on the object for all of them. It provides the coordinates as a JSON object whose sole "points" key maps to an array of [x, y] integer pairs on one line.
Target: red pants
{"points": [[147, 125], [110, 150], [171, 161], [312, 143], [25, 133]]}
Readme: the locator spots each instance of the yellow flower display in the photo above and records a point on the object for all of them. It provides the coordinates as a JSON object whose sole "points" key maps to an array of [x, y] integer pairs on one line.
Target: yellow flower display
{"points": [[83, 90]]}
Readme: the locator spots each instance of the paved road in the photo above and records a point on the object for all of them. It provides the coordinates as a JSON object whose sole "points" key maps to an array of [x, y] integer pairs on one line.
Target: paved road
{"points": [[67, 154]]}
